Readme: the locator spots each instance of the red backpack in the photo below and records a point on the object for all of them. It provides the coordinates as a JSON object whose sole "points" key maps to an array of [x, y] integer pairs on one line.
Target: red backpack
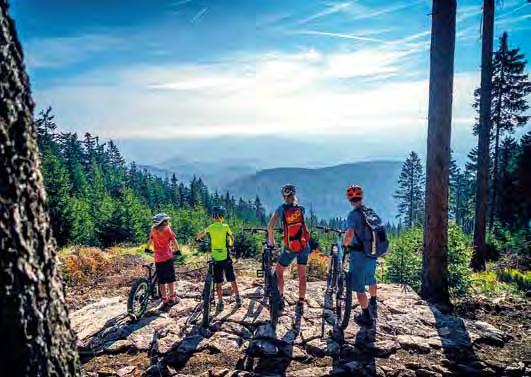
{"points": [[296, 234]]}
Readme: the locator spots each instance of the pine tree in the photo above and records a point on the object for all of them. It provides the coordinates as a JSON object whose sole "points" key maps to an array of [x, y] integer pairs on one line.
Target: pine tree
{"points": [[410, 192], [510, 87], [435, 252]]}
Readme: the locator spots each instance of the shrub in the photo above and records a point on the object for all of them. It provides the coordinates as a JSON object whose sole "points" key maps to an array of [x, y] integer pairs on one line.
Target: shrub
{"points": [[521, 279], [403, 263], [245, 245], [459, 254], [317, 266], [85, 264]]}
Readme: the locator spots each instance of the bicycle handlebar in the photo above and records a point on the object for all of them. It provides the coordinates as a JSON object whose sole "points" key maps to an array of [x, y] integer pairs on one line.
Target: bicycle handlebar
{"points": [[328, 230], [261, 230]]}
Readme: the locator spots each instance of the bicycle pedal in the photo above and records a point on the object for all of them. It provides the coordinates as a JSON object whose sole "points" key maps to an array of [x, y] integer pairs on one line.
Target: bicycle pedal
{"points": [[260, 273]]}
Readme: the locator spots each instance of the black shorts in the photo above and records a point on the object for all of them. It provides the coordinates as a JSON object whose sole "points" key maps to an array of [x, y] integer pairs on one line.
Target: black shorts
{"points": [[224, 267], [165, 271]]}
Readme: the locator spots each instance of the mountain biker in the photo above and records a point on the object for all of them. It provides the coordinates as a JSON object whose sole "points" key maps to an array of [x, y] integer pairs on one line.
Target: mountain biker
{"points": [[363, 267], [221, 239], [163, 240], [296, 242]]}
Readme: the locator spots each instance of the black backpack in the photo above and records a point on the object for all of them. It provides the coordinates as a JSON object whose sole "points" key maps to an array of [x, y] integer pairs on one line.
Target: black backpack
{"points": [[378, 244]]}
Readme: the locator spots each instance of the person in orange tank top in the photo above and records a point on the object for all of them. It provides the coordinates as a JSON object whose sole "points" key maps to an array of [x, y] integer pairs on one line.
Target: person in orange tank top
{"points": [[163, 240]]}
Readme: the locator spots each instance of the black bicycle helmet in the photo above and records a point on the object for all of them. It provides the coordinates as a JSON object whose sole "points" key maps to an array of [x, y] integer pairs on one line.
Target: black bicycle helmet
{"points": [[288, 189], [218, 211]]}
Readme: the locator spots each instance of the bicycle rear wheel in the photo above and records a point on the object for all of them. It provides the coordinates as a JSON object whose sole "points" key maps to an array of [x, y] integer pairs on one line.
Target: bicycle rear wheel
{"points": [[343, 300], [138, 299], [207, 298], [274, 299]]}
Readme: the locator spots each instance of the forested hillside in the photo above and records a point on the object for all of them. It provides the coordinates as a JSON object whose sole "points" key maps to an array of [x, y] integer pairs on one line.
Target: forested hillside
{"points": [[95, 198], [323, 189]]}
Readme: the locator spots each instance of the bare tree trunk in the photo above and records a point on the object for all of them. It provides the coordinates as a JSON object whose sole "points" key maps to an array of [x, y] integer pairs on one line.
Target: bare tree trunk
{"points": [[492, 214], [482, 187], [34, 328], [435, 257]]}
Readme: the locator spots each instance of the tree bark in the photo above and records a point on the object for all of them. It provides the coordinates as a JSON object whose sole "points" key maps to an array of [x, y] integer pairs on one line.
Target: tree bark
{"points": [[435, 256], [482, 187], [34, 326]]}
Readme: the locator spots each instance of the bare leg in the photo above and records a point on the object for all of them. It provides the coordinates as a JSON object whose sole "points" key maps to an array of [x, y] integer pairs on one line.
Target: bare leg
{"points": [[301, 273], [373, 290], [219, 291], [163, 294], [234, 287], [171, 292], [280, 278], [362, 298]]}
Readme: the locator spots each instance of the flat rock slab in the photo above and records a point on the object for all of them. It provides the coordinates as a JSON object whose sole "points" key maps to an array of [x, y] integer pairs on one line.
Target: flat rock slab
{"points": [[241, 341]]}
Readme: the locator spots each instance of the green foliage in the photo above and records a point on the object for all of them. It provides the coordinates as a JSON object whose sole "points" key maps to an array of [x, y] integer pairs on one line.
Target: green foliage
{"points": [[95, 199], [459, 254], [403, 263], [521, 279], [410, 192], [246, 245]]}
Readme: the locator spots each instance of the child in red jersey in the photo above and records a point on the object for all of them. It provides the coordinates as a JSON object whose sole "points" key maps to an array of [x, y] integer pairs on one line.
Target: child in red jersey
{"points": [[163, 240]]}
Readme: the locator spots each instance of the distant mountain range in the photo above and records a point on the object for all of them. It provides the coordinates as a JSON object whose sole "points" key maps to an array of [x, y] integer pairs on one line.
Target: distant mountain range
{"points": [[323, 189]]}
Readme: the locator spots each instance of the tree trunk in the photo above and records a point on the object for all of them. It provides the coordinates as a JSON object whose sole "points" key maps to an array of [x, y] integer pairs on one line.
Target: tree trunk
{"points": [[435, 257], [34, 326], [482, 187], [495, 180]]}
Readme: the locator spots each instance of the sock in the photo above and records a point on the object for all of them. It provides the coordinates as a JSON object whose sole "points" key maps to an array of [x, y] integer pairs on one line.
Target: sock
{"points": [[373, 299]]}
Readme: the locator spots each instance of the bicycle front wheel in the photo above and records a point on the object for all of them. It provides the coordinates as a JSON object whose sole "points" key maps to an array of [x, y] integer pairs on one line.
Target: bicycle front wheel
{"points": [[343, 300]]}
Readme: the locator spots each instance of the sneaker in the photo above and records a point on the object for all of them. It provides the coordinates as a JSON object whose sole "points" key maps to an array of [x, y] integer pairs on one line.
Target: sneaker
{"points": [[163, 306], [219, 307], [299, 308], [173, 299], [238, 301], [364, 319]]}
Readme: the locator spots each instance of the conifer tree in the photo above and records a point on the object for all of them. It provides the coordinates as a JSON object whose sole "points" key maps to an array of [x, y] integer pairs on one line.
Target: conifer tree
{"points": [[410, 192]]}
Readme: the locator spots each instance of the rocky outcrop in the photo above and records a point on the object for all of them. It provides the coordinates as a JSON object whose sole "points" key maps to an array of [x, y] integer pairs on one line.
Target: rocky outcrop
{"points": [[409, 338]]}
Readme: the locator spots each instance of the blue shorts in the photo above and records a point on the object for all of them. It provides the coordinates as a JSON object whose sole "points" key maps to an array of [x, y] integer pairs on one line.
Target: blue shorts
{"points": [[288, 256], [362, 271]]}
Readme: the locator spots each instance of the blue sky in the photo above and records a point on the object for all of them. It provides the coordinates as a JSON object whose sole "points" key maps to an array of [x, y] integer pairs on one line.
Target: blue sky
{"points": [[189, 69]]}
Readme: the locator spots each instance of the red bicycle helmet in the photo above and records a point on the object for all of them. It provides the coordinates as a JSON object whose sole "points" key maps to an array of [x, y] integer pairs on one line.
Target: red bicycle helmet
{"points": [[354, 192]]}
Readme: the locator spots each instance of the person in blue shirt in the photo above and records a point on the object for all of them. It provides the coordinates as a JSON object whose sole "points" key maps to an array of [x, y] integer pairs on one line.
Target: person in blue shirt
{"points": [[296, 242], [362, 266]]}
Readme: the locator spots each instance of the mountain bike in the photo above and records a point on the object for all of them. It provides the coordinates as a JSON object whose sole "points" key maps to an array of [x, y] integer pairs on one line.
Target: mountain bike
{"points": [[143, 290], [271, 292], [207, 299], [338, 281]]}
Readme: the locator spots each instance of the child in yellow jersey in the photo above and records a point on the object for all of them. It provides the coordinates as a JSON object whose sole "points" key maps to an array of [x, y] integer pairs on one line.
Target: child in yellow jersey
{"points": [[221, 239]]}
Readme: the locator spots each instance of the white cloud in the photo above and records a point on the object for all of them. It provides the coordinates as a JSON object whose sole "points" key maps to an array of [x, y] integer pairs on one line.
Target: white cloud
{"points": [[305, 93], [329, 10], [63, 51]]}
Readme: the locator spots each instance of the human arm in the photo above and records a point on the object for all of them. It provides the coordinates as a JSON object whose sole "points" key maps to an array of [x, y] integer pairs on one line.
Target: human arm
{"points": [[149, 243], [271, 228]]}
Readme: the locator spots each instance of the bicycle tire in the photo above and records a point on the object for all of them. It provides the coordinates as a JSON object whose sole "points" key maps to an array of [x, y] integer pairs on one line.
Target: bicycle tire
{"points": [[274, 300], [343, 301], [207, 299], [140, 283]]}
